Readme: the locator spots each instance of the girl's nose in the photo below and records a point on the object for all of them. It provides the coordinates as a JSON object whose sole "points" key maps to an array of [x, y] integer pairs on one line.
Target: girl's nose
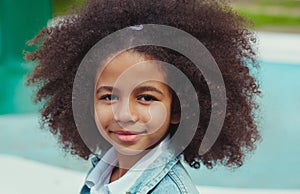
{"points": [[124, 111]]}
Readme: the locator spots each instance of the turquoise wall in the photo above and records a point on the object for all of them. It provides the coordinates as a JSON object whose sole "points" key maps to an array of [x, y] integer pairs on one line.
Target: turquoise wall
{"points": [[19, 21]]}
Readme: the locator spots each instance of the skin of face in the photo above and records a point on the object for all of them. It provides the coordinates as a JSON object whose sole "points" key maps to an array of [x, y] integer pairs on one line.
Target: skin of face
{"points": [[133, 103]]}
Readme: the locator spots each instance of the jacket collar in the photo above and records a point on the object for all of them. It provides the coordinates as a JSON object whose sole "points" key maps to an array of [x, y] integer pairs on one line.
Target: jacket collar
{"points": [[154, 173]]}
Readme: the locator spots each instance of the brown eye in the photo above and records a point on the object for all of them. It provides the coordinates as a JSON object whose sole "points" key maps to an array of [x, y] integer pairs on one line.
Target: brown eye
{"points": [[109, 97], [147, 98]]}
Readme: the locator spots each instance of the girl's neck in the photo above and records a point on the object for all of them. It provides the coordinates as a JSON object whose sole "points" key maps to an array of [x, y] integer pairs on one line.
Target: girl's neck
{"points": [[125, 162]]}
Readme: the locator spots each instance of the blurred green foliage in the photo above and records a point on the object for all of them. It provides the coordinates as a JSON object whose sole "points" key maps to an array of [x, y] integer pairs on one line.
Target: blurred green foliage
{"points": [[262, 19], [279, 14], [60, 7], [283, 3], [263, 13]]}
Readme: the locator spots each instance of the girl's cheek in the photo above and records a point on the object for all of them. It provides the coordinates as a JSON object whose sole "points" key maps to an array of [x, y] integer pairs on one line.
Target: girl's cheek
{"points": [[103, 116], [158, 117]]}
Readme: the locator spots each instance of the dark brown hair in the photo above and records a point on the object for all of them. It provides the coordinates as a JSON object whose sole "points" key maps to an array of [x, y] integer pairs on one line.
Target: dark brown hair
{"points": [[61, 48]]}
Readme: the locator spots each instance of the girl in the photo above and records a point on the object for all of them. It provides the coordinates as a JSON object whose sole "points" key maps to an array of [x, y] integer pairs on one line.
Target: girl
{"points": [[127, 109]]}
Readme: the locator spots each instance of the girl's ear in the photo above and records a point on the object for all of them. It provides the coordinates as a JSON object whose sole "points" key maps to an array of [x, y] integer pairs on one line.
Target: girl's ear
{"points": [[175, 118]]}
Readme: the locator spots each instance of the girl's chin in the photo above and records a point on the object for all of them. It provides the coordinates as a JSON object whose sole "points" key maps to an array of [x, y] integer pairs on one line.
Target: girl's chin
{"points": [[128, 150]]}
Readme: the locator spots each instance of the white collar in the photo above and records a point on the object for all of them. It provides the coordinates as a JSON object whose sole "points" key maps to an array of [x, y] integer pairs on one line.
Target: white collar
{"points": [[98, 179]]}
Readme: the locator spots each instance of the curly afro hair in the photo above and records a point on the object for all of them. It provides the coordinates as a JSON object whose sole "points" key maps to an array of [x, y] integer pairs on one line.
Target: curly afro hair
{"points": [[62, 46]]}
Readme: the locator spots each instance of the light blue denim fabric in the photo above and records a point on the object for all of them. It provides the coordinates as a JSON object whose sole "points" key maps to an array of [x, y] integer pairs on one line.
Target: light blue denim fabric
{"points": [[165, 175]]}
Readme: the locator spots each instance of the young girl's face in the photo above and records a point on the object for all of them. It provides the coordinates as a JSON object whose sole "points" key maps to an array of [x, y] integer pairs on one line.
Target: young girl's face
{"points": [[133, 103]]}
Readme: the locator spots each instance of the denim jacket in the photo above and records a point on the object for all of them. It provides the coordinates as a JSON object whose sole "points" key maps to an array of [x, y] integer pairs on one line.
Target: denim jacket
{"points": [[165, 175]]}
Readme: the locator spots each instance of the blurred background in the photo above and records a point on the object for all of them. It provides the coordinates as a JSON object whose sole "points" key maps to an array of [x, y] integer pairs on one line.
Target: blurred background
{"points": [[274, 165]]}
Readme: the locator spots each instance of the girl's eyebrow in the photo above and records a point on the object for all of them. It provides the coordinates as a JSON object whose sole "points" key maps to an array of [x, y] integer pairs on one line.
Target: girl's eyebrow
{"points": [[106, 89], [147, 89], [137, 90]]}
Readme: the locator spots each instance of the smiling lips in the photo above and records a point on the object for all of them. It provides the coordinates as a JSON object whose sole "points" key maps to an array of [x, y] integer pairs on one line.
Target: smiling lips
{"points": [[127, 136]]}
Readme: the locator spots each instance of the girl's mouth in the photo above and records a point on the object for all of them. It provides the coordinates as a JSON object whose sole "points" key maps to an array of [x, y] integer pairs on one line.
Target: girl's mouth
{"points": [[127, 136]]}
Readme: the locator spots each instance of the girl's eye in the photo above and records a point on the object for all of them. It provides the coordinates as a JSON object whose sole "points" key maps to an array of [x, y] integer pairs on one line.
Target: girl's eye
{"points": [[109, 97], [147, 98]]}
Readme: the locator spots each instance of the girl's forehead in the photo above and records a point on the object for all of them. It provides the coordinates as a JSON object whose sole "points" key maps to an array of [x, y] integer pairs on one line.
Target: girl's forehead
{"points": [[131, 66]]}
